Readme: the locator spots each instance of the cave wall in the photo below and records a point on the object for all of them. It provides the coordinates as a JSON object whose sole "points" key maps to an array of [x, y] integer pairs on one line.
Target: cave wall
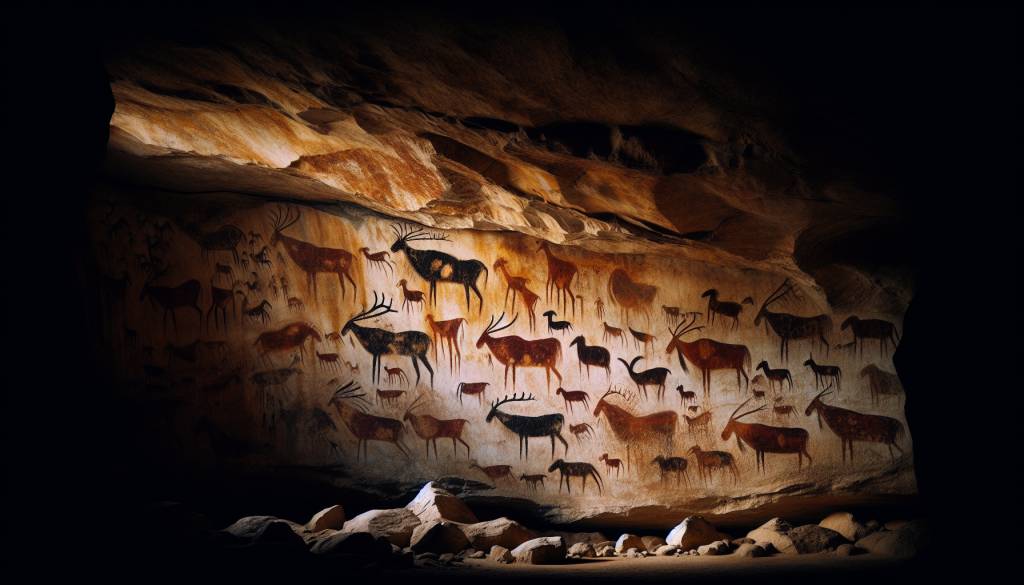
{"points": [[215, 400]]}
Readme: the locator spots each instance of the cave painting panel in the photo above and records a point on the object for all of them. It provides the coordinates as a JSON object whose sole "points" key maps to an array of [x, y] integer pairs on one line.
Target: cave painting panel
{"points": [[252, 360]]}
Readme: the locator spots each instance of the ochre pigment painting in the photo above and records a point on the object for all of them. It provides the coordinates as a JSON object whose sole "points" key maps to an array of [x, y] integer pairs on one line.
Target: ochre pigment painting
{"points": [[374, 349]]}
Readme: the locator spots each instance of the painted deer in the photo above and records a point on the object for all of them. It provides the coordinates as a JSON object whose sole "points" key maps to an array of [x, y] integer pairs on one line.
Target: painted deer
{"points": [[448, 332], [533, 481], [633, 430], [789, 327], [652, 377], [365, 427], [259, 313], [514, 352], [547, 425], [380, 260], [881, 383], [823, 373], [171, 298], [517, 285], [573, 396], [725, 309], [286, 339], [615, 332], [883, 331], [580, 431], [708, 355], [430, 429], [434, 266], [560, 275], [477, 389], [710, 461], [852, 426], [599, 308], [766, 439], [592, 355], [676, 465], [380, 342], [777, 376], [611, 464], [630, 295], [311, 259], [569, 470], [396, 376], [410, 297]]}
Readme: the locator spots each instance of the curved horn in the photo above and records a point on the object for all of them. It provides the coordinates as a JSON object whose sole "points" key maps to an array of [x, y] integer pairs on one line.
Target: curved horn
{"points": [[733, 415]]}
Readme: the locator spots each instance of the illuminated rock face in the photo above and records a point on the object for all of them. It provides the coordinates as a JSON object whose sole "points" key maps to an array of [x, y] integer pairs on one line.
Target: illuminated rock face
{"points": [[275, 194]]}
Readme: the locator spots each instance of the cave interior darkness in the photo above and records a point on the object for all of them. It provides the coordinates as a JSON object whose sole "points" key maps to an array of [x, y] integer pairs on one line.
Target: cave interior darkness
{"points": [[912, 99]]}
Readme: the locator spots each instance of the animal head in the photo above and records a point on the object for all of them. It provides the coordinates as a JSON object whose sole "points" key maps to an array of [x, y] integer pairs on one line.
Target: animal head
{"points": [[381, 307], [499, 263], [560, 391], [852, 320], [408, 411], [709, 293], [556, 465], [578, 340], [658, 460], [497, 403], [694, 450], [810, 362], [603, 457], [784, 290], [762, 366], [364, 249], [494, 327], [816, 404], [548, 313], [687, 325], [601, 405], [732, 426], [405, 234], [281, 219]]}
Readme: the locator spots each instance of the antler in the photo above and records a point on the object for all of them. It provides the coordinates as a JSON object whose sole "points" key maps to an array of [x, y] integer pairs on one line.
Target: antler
{"points": [[415, 403], [686, 325], [614, 391], [279, 223], [493, 327], [347, 391], [375, 310], [407, 233], [784, 289], [522, 398]]}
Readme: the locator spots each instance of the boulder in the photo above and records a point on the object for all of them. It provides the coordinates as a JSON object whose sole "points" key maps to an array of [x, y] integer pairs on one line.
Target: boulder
{"points": [[692, 532], [844, 523], [811, 538], [500, 554], [446, 558], [502, 531], [628, 541], [666, 550], [434, 503], [571, 538], [332, 518], [906, 541], [396, 524], [652, 543], [546, 550], [359, 544], [584, 550], [266, 532], [438, 536], [606, 551], [477, 554], [750, 550], [744, 540], [717, 548], [775, 531], [633, 553], [846, 550]]}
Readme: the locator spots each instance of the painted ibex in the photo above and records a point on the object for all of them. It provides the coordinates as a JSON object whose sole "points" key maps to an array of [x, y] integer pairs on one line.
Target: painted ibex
{"points": [[653, 377], [766, 439], [514, 352], [547, 425]]}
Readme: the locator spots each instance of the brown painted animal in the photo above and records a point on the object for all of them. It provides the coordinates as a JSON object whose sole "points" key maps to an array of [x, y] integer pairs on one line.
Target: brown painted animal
{"points": [[379, 260], [782, 412], [726, 309], [515, 352], [312, 260], [260, 313], [631, 296], [172, 298], [700, 425], [410, 297], [532, 481], [448, 331], [573, 396], [615, 332], [396, 375], [477, 389], [637, 431], [708, 355], [430, 428], [766, 439], [366, 427], [560, 276], [328, 361], [389, 397], [569, 470], [641, 339], [710, 461], [611, 464], [495, 472], [676, 465], [852, 426], [580, 431], [290, 337], [671, 314], [881, 383], [296, 304], [792, 327]]}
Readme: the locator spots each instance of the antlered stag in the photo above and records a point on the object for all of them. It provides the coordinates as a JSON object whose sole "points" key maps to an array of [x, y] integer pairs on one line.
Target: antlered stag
{"points": [[708, 355], [632, 429], [853, 426], [430, 428], [380, 342], [311, 259], [434, 266], [514, 352], [547, 425], [766, 439], [789, 327]]}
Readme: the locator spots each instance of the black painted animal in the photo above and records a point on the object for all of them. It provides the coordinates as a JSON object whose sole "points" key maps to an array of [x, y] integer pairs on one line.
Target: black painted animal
{"points": [[380, 342], [824, 373], [777, 376], [547, 425], [569, 470], [727, 309], [435, 266], [592, 355], [676, 465], [553, 325], [651, 377]]}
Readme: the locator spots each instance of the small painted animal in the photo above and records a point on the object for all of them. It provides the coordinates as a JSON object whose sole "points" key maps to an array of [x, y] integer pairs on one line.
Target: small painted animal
{"points": [[532, 481], [685, 396], [775, 376], [561, 326], [823, 374], [573, 396], [611, 464], [570, 470], [472, 389], [676, 465], [581, 430]]}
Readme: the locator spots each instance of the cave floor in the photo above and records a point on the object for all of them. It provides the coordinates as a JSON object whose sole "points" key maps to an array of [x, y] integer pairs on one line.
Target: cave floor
{"points": [[692, 569]]}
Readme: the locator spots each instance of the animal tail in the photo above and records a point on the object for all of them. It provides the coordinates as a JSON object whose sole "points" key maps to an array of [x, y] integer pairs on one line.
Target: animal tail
{"points": [[597, 478], [487, 273], [746, 358]]}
